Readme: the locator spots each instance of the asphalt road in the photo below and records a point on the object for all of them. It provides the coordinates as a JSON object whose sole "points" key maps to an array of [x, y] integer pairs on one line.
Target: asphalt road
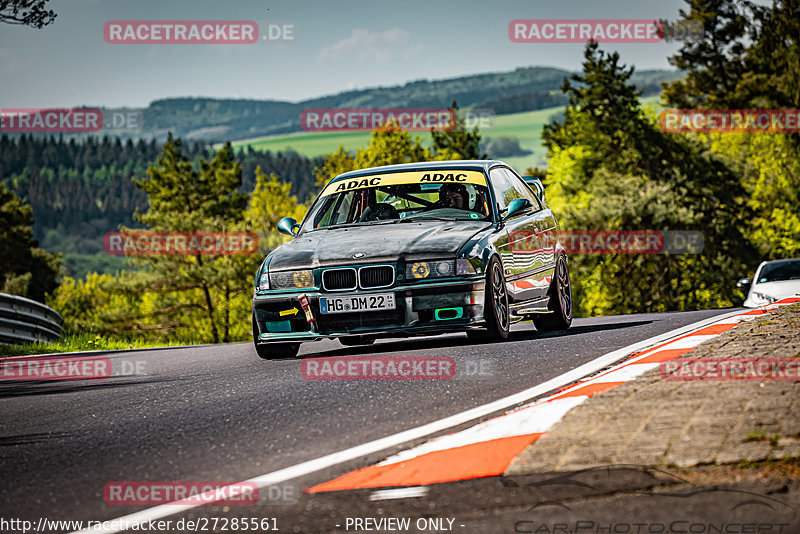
{"points": [[219, 413]]}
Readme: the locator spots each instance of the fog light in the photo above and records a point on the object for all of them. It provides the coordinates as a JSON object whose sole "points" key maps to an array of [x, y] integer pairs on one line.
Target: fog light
{"points": [[448, 314], [278, 326]]}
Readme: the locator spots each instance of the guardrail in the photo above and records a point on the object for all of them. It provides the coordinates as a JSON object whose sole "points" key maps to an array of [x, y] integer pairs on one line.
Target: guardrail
{"points": [[24, 320]]}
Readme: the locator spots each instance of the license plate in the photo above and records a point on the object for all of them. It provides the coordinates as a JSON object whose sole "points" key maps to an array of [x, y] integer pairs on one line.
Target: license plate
{"points": [[357, 303]]}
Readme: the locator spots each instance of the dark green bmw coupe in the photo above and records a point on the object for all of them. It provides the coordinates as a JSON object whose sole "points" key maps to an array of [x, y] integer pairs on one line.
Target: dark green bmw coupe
{"points": [[414, 249]]}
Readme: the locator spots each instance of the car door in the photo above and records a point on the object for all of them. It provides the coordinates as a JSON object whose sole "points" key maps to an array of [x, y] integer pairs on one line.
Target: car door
{"points": [[546, 230], [538, 269], [498, 186], [523, 257]]}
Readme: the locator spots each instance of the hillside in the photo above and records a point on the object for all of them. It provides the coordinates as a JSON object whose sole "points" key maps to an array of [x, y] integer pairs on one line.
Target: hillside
{"points": [[523, 129], [217, 120]]}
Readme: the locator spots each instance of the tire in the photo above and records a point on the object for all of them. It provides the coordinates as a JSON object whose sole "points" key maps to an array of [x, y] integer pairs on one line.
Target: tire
{"points": [[273, 351], [354, 341], [560, 303], [495, 307]]}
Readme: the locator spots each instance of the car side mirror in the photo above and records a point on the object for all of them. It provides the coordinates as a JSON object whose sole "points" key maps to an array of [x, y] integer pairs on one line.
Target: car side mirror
{"points": [[744, 283], [516, 206], [537, 186], [287, 226]]}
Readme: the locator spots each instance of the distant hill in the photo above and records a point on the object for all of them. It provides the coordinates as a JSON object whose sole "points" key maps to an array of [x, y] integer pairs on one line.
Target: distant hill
{"points": [[216, 120], [498, 137]]}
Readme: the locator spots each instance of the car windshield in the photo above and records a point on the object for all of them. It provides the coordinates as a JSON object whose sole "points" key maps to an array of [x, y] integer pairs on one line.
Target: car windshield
{"points": [[399, 197], [784, 270]]}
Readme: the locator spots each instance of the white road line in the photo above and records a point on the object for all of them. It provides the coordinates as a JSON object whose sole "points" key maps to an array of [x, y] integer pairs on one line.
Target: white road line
{"points": [[399, 493], [324, 462], [626, 373], [691, 342]]}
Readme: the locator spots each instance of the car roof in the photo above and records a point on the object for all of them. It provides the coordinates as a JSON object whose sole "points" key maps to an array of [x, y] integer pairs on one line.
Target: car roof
{"points": [[772, 262], [461, 164], [780, 261]]}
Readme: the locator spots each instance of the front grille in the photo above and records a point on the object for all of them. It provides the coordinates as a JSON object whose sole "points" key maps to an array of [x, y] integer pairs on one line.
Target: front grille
{"points": [[378, 276], [343, 322], [339, 279]]}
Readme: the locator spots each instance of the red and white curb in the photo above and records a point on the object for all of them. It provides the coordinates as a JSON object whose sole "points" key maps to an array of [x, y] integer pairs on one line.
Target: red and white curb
{"points": [[488, 448], [537, 419]]}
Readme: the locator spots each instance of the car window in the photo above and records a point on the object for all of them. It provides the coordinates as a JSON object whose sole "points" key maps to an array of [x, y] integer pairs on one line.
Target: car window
{"points": [[441, 193], [504, 191], [774, 272], [523, 189], [507, 186]]}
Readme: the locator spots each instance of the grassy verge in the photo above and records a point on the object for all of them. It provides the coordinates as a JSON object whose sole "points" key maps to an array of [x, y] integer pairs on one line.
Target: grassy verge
{"points": [[87, 342]]}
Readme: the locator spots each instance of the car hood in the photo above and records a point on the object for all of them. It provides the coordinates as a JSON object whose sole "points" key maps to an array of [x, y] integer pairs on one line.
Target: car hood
{"points": [[381, 242], [775, 290]]}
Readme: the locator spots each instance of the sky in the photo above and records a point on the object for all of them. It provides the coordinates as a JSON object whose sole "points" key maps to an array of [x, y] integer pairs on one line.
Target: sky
{"points": [[336, 46]]}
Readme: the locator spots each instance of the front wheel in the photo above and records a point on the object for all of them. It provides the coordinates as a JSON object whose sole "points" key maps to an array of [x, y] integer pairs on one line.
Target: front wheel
{"points": [[560, 303], [495, 308], [273, 351]]}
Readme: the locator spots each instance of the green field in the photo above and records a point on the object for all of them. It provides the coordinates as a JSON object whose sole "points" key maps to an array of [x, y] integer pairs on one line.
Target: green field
{"points": [[526, 127]]}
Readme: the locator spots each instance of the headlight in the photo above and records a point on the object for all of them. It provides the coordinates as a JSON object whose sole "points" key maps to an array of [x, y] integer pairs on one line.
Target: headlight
{"points": [[419, 270], [429, 269], [761, 299], [263, 282], [292, 279]]}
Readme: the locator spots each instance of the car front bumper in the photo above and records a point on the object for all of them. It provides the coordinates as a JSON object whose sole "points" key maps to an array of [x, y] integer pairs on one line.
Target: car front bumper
{"points": [[279, 315]]}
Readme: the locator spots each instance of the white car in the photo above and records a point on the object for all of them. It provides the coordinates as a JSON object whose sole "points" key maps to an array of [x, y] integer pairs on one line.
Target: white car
{"points": [[773, 281]]}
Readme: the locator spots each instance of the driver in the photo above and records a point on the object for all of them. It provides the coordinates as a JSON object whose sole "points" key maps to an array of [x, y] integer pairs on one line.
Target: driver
{"points": [[453, 196]]}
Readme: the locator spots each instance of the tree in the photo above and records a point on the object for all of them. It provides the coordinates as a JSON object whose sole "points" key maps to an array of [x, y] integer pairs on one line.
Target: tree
{"points": [[457, 142], [335, 164], [25, 270], [749, 57], [715, 63], [770, 171], [612, 168], [189, 298], [388, 145], [270, 201], [183, 198], [31, 13], [604, 96], [772, 61]]}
